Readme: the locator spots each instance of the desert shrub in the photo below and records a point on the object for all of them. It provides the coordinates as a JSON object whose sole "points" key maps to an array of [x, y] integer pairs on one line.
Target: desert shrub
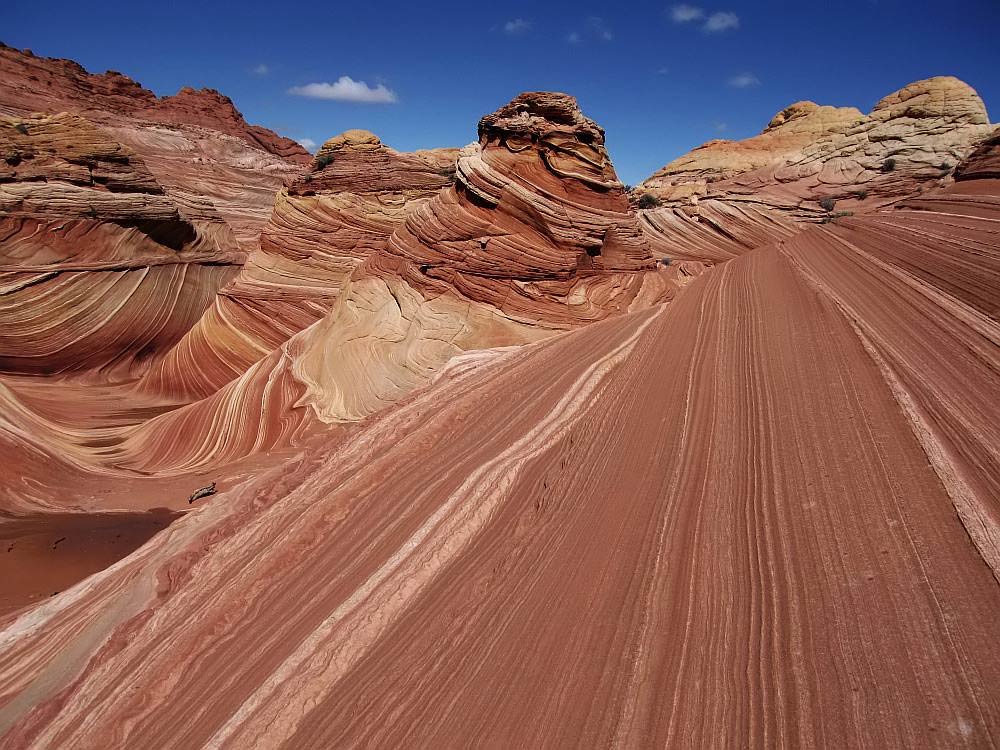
{"points": [[665, 261], [21, 128], [944, 166], [827, 204], [861, 194], [648, 200], [626, 188], [832, 217], [13, 158], [322, 162], [888, 165]]}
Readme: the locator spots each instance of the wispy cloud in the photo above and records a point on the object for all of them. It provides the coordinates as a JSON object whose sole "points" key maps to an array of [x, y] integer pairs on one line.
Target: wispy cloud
{"points": [[600, 29], [721, 22], [517, 26], [714, 23], [744, 81], [720, 127], [260, 70], [686, 13], [346, 89], [307, 143], [597, 29], [662, 71]]}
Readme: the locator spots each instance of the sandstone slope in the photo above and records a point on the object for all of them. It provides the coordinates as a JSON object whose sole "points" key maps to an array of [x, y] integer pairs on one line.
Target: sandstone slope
{"points": [[677, 516], [101, 270]]}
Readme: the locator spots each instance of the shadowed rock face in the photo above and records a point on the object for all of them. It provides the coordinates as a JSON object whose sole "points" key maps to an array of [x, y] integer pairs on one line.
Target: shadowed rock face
{"points": [[100, 271], [809, 158], [984, 162]]}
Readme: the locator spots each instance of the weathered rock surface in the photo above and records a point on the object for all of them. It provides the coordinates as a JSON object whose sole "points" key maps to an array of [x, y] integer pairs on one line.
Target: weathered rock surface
{"points": [[357, 193], [811, 161], [43, 84], [100, 270], [442, 407], [196, 144], [534, 237], [789, 474]]}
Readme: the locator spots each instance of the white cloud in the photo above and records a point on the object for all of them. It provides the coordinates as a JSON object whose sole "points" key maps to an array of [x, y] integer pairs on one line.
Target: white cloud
{"points": [[307, 143], [744, 80], [662, 71], [517, 26], [720, 127], [261, 70], [573, 37], [686, 13], [346, 89], [722, 22]]}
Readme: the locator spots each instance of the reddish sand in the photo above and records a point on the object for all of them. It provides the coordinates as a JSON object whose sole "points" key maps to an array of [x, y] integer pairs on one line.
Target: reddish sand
{"points": [[43, 554]]}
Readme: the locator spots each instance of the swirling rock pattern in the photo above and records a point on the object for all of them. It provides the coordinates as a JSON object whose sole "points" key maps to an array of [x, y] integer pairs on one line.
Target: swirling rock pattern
{"points": [[322, 227], [764, 514], [100, 270], [534, 237]]}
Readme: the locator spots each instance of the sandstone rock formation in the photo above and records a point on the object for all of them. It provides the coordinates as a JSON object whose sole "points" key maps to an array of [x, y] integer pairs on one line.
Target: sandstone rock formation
{"points": [[196, 144], [651, 505], [488, 470], [534, 237], [811, 161], [321, 229], [43, 84], [100, 270]]}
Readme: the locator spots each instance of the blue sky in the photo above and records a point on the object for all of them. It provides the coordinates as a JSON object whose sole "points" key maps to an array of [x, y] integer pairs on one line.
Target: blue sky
{"points": [[660, 79]]}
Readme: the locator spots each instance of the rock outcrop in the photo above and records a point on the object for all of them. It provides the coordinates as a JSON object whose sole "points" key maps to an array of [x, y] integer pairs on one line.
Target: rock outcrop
{"points": [[534, 237], [197, 145], [461, 449], [100, 271], [322, 227], [773, 501], [43, 84], [812, 161]]}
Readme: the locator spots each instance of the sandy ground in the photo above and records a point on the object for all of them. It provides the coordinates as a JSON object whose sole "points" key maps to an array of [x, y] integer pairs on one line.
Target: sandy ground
{"points": [[45, 553]]}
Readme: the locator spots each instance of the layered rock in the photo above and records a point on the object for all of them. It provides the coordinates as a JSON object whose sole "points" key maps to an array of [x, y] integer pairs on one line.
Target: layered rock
{"points": [[42, 84], [322, 227], [196, 144], [984, 162], [811, 161], [100, 270], [773, 501], [534, 237]]}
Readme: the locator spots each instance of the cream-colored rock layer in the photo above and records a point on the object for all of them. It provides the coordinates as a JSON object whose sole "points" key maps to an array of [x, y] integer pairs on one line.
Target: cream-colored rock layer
{"points": [[911, 140], [320, 230], [534, 237]]}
